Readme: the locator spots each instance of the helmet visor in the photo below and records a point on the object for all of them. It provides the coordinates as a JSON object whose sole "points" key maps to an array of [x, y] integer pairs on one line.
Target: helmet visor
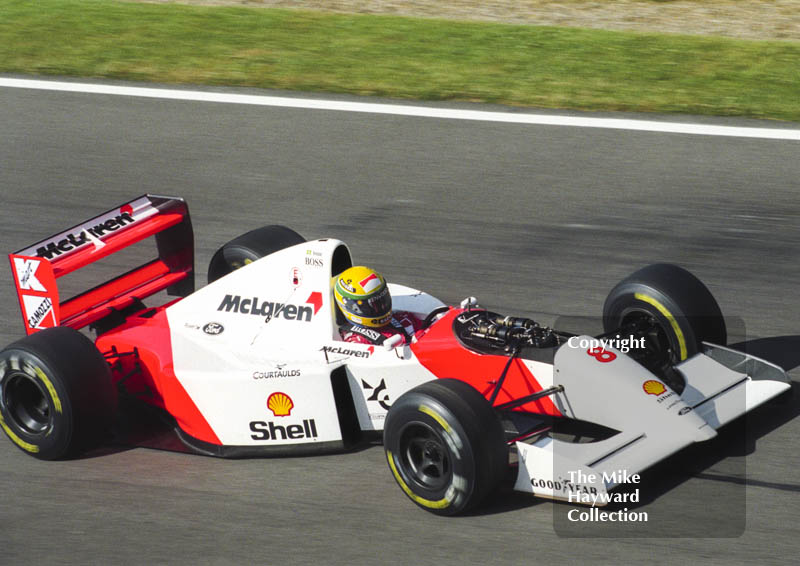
{"points": [[375, 306]]}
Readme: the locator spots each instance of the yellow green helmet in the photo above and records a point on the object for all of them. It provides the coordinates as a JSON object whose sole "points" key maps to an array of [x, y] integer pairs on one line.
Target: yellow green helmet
{"points": [[363, 296]]}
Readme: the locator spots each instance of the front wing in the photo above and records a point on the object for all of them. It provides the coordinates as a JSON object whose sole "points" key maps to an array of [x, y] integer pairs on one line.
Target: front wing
{"points": [[722, 385]]}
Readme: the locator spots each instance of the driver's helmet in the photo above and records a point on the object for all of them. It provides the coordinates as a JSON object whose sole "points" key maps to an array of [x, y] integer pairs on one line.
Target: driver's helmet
{"points": [[363, 296]]}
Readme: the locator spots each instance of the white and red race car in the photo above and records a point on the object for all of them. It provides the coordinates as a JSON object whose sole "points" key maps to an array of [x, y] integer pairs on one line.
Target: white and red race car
{"points": [[253, 364]]}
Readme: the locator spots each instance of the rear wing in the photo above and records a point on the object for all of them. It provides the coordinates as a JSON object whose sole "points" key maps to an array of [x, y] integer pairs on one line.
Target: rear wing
{"points": [[37, 267]]}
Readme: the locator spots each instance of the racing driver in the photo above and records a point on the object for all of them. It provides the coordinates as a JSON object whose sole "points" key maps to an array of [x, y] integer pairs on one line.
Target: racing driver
{"points": [[364, 299]]}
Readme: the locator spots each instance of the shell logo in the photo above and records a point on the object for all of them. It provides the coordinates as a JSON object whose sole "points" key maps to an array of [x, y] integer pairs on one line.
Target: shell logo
{"points": [[653, 387], [280, 404]]}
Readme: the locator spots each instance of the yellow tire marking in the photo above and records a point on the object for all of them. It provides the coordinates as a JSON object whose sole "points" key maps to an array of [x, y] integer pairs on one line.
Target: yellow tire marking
{"points": [[50, 389], [431, 413], [674, 323], [32, 448], [440, 504]]}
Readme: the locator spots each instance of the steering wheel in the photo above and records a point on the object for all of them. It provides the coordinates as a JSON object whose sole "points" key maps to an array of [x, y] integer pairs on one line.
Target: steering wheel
{"points": [[432, 316]]}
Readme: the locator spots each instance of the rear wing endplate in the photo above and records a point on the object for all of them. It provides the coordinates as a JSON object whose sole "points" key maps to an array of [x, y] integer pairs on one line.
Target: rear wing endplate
{"points": [[37, 267]]}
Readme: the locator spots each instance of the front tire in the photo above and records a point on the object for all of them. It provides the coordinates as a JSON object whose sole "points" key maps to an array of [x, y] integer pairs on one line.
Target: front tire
{"points": [[56, 393], [677, 309], [445, 446]]}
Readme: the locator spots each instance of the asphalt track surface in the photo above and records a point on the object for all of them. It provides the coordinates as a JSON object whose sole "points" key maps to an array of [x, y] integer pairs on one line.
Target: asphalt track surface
{"points": [[533, 220]]}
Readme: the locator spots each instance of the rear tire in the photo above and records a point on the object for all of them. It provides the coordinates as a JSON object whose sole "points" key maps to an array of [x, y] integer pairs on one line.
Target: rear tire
{"points": [[56, 393], [249, 247], [445, 446]]}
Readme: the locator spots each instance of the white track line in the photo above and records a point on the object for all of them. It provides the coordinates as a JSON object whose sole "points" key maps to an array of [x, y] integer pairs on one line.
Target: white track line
{"points": [[404, 110]]}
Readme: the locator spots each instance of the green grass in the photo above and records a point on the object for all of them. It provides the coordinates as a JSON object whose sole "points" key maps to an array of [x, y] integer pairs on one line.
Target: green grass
{"points": [[401, 57]]}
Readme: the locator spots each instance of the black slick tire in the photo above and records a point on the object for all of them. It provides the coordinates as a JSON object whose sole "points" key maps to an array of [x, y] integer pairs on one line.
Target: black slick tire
{"points": [[249, 247], [680, 303], [56, 394], [445, 446]]}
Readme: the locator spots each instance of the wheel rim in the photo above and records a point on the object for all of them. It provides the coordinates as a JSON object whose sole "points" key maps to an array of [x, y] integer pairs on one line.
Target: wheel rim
{"points": [[424, 457], [237, 258], [658, 346], [661, 353], [27, 405]]}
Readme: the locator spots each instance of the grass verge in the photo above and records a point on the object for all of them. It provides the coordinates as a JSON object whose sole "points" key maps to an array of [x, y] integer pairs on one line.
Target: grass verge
{"points": [[401, 57]]}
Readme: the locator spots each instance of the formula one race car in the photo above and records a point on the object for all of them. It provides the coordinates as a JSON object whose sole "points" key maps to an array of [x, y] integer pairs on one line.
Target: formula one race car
{"points": [[253, 364]]}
